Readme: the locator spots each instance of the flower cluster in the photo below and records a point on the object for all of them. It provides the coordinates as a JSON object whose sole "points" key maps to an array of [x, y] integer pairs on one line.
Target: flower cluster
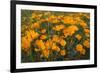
{"points": [[54, 36]]}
